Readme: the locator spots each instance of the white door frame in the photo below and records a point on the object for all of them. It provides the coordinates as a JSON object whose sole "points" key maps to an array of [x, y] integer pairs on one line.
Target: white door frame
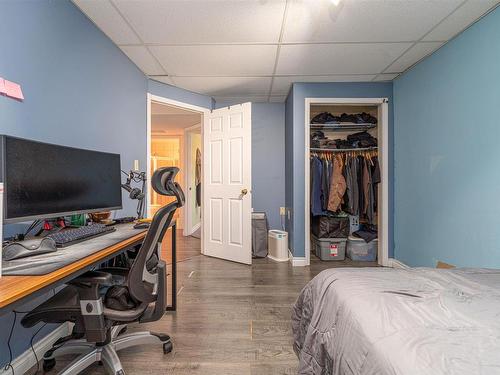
{"points": [[160, 99], [189, 229], [383, 142]]}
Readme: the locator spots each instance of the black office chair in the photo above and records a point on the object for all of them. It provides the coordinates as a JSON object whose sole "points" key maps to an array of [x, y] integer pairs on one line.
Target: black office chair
{"points": [[100, 315]]}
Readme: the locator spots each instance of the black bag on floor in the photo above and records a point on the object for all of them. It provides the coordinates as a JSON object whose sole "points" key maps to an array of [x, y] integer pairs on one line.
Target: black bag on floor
{"points": [[330, 227]]}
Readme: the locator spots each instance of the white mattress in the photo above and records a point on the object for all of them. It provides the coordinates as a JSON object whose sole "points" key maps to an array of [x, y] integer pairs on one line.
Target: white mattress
{"points": [[393, 321]]}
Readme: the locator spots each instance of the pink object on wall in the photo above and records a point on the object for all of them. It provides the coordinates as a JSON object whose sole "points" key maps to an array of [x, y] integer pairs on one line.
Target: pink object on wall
{"points": [[11, 89]]}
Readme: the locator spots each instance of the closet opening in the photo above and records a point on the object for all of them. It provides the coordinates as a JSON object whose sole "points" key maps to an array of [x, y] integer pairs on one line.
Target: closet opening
{"points": [[346, 184]]}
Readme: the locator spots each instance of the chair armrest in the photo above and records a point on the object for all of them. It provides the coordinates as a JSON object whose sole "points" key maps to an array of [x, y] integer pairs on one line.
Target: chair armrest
{"points": [[92, 277]]}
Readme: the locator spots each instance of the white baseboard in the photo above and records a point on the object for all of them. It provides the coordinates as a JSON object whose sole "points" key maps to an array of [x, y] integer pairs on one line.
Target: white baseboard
{"points": [[297, 261], [193, 229], [26, 361], [278, 259], [394, 263]]}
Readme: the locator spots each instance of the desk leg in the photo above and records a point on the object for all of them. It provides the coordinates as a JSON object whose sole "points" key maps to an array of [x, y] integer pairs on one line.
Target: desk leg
{"points": [[173, 307]]}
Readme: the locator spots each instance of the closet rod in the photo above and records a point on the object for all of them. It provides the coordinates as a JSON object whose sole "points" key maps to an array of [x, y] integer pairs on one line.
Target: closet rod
{"points": [[342, 149]]}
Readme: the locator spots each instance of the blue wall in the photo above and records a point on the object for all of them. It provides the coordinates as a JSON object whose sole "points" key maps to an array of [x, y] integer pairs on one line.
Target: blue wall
{"points": [[181, 95], [268, 159], [447, 170], [295, 144], [80, 90]]}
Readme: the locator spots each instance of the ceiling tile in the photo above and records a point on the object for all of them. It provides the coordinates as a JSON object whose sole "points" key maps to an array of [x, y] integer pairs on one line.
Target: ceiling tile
{"points": [[105, 16], [204, 21], [281, 84], [143, 59], [413, 55], [385, 77], [232, 100], [327, 59], [217, 60], [461, 19], [225, 86], [364, 20]]}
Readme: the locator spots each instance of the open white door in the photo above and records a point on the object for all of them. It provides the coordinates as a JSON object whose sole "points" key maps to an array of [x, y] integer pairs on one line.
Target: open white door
{"points": [[227, 182]]}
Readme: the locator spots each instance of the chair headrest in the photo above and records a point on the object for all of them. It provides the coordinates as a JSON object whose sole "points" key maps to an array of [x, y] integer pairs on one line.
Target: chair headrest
{"points": [[163, 182]]}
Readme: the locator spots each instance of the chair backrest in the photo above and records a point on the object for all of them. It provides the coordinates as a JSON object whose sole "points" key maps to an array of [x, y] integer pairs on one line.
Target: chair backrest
{"points": [[141, 281]]}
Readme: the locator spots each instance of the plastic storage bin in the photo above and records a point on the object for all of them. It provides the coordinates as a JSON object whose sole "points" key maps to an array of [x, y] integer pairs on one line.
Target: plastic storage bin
{"points": [[359, 250], [329, 248], [330, 226], [353, 223], [278, 245]]}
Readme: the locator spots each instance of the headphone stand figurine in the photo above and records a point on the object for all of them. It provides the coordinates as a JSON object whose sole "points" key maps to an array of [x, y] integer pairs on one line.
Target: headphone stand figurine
{"points": [[136, 193]]}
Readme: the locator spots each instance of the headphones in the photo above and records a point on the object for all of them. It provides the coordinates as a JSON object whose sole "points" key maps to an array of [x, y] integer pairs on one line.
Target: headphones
{"points": [[134, 193]]}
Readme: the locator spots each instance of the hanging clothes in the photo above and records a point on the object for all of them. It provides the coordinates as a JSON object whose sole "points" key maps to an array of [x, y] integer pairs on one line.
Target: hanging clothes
{"points": [[337, 185], [197, 177], [361, 199], [366, 188], [325, 184], [345, 182], [316, 196]]}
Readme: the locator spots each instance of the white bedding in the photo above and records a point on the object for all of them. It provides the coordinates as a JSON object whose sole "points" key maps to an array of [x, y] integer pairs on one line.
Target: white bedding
{"points": [[394, 321]]}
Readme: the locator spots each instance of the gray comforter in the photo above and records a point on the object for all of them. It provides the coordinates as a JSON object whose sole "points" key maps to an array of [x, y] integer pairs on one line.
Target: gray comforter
{"points": [[394, 321]]}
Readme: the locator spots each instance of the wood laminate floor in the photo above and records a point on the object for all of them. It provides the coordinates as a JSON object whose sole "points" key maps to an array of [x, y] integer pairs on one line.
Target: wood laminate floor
{"points": [[231, 319], [187, 247]]}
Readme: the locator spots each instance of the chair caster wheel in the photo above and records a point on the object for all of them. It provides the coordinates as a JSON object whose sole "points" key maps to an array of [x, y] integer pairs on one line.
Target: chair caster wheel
{"points": [[167, 347], [48, 364]]}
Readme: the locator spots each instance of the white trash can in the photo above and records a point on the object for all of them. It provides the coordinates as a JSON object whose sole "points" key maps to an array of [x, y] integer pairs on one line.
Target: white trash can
{"points": [[278, 245]]}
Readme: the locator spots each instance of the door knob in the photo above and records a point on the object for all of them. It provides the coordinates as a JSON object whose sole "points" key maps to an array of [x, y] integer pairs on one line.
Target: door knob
{"points": [[244, 191]]}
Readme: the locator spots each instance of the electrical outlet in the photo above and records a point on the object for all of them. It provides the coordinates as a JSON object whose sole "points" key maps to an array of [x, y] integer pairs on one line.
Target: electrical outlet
{"points": [[282, 211]]}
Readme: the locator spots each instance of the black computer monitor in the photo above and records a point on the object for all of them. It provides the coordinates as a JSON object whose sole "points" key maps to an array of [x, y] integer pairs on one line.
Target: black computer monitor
{"points": [[43, 180]]}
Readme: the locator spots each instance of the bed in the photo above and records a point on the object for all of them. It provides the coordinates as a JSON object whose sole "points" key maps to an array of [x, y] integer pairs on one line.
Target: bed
{"points": [[399, 321]]}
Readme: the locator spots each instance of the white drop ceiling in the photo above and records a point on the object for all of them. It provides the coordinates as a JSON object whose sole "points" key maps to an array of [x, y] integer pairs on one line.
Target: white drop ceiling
{"points": [[255, 49]]}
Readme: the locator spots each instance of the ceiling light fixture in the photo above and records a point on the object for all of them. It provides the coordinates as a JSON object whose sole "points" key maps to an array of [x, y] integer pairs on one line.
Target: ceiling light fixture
{"points": [[335, 2]]}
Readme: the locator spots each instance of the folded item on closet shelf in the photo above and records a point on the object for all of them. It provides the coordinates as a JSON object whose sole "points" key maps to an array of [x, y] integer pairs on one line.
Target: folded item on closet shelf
{"points": [[344, 117], [362, 139], [324, 143], [358, 118], [318, 134], [343, 144], [319, 143], [368, 119], [367, 233], [325, 118]]}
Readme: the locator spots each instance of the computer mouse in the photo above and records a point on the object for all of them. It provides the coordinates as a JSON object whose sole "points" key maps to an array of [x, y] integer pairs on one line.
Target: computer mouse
{"points": [[141, 226], [28, 248]]}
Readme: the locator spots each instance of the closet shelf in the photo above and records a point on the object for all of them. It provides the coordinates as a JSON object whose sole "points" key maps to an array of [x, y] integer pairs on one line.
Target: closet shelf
{"points": [[343, 149], [343, 126]]}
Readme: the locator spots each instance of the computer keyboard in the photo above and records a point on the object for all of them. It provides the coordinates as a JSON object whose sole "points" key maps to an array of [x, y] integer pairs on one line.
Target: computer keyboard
{"points": [[67, 237]]}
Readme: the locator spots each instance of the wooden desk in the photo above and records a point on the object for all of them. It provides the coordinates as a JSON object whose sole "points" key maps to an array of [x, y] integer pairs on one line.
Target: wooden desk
{"points": [[17, 290]]}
